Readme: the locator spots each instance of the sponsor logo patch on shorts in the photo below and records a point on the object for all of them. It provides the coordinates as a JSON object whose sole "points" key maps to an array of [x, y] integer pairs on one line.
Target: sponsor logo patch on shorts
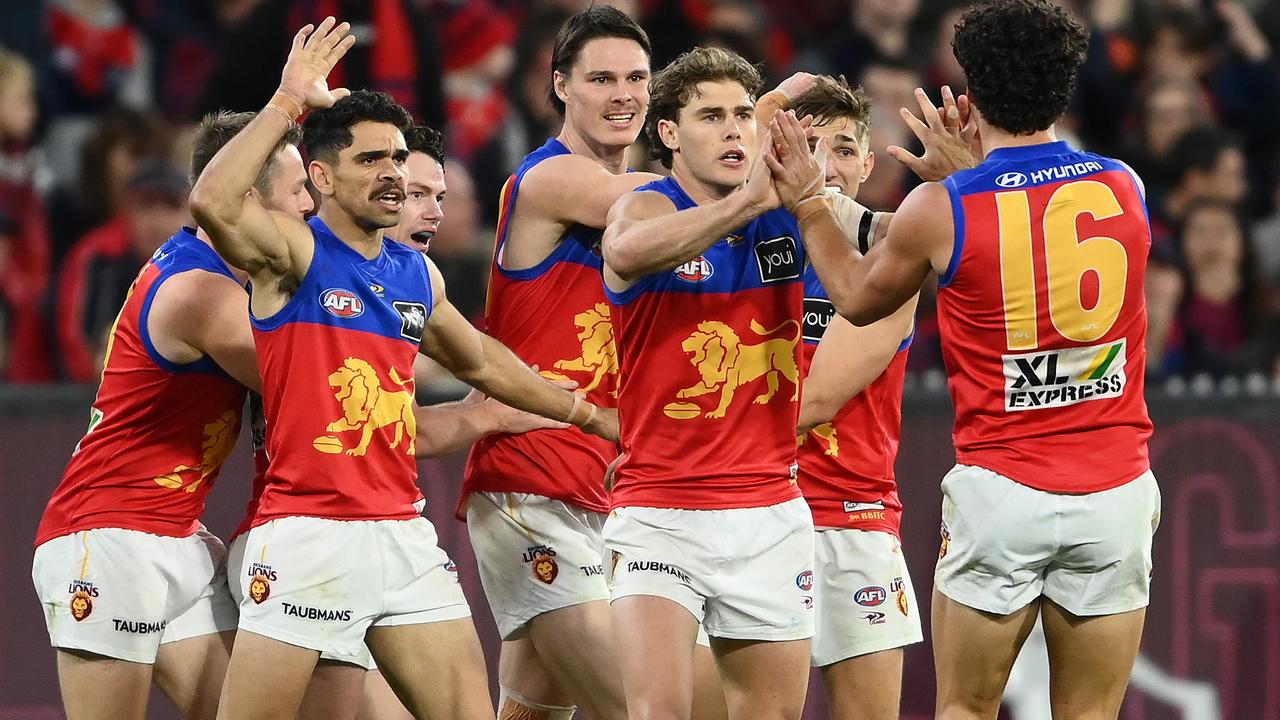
{"points": [[870, 596], [804, 580], [542, 563], [260, 578], [1057, 378], [873, 618]]}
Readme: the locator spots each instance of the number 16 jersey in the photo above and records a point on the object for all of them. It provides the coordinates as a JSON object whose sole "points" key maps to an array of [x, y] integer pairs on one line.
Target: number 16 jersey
{"points": [[1043, 318]]}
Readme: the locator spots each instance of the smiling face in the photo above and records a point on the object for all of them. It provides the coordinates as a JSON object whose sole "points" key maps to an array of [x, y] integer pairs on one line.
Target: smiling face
{"points": [[368, 180], [713, 139], [848, 160], [606, 93], [424, 205]]}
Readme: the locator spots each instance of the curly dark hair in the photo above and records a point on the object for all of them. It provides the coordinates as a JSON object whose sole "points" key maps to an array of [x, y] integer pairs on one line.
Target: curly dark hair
{"points": [[427, 140], [1020, 58], [327, 131], [600, 21], [216, 130], [831, 99], [674, 86]]}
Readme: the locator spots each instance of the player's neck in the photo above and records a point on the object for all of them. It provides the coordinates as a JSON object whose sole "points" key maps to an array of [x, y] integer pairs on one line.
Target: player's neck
{"points": [[241, 276], [612, 157], [699, 191], [366, 242], [994, 138]]}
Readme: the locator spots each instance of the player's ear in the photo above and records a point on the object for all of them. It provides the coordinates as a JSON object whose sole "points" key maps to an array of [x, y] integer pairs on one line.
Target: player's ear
{"points": [[669, 133], [559, 83], [321, 177], [868, 164]]}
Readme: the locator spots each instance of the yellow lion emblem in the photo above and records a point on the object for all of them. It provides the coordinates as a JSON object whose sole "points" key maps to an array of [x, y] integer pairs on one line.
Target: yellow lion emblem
{"points": [[599, 354], [726, 363], [368, 406], [824, 432], [219, 437]]}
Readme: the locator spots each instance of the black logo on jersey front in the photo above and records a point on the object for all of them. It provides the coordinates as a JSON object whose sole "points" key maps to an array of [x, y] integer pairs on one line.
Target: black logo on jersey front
{"points": [[413, 319], [778, 259], [1038, 370], [817, 317]]}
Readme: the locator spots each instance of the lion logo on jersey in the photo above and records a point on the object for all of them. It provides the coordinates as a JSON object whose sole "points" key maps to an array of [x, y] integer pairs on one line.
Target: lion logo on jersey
{"points": [[259, 588], [827, 433], [81, 605], [219, 438], [368, 406], [726, 364], [599, 354]]}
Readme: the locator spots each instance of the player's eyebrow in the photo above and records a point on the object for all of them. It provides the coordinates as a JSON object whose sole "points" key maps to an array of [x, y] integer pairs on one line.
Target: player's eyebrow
{"points": [[841, 137]]}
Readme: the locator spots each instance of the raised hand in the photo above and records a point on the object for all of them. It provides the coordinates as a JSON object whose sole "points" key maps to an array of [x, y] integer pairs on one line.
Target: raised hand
{"points": [[797, 172], [796, 85], [759, 189], [314, 52], [946, 139]]}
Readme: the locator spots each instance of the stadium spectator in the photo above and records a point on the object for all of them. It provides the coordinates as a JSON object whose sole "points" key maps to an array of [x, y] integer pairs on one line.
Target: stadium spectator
{"points": [[101, 267], [1204, 163], [24, 269]]}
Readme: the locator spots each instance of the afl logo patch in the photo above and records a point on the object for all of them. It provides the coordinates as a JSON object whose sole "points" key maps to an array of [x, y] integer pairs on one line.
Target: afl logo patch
{"points": [[696, 270], [870, 596], [342, 303], [804, 580], [1011, 180]]}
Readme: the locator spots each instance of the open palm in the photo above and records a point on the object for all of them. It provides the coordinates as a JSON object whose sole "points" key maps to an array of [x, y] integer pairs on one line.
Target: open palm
{"points": [[314, 52]]}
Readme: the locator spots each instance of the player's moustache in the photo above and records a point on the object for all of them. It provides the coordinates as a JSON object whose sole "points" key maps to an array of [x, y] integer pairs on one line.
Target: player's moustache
{"points": [[386, 188]]}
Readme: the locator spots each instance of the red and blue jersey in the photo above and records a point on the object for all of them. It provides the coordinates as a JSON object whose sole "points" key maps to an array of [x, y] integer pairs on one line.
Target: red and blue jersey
{"points": [[1043, 318], [846, 465], [337, 385], [553, 315], [710, 372], [159, 431]]}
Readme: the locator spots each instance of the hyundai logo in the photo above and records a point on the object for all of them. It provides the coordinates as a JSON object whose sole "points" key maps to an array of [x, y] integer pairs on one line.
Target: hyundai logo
{"points": [[1011, 179]]}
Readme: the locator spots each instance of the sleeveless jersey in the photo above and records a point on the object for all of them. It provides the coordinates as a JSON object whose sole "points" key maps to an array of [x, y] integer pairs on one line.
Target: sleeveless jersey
{"points": [[258, 443], [1043, 318], [710, 380], [158, 431], [553, 315], [846, 465], [337, 385]]}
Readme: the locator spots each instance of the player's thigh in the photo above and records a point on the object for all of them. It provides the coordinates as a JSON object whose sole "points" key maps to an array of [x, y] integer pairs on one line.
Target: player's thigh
{"points": [[190, 672], [522, 672], [576, 644], [654, 637], [266, 678], [1090, 660], [94, 686], [708, 688], [435, 668], [867, 687], [378, 701], [973, 653], [762, 678], [334, 691]]}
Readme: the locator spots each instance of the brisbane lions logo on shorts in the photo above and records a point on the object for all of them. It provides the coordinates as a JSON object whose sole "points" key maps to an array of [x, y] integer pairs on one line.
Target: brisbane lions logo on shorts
{"points": [[545, 568], [81, 605], [259, 588]]}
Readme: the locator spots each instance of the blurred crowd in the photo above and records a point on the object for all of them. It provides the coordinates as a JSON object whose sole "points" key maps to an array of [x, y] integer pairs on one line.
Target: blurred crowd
{"points": [[98, 99]]}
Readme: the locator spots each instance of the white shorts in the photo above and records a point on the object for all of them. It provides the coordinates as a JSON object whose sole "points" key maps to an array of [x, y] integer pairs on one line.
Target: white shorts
{"points": [[737, 571], [237, 568], [862, 595], [321, 584], [1005, 544], [123, 593], [535, 555]]}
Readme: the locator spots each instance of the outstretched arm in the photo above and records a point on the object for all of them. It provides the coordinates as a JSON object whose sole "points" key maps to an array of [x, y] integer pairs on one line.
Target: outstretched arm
{"points": [[848, 359], [488, 365], [646, 235], [452, 426], [863, 289], [268, 245]]}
